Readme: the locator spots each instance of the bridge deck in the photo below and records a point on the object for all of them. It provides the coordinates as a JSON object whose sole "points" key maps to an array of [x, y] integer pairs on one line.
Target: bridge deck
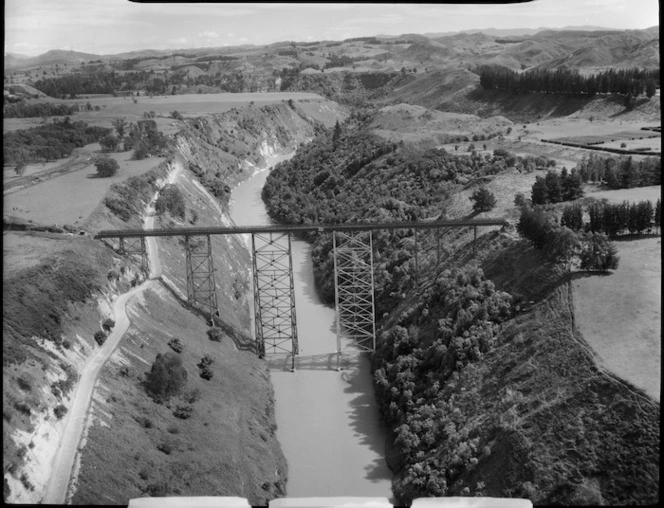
{"points": [[434, 224]]}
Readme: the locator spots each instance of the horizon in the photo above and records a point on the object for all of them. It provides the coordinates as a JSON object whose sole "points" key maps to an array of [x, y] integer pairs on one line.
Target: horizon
{"points": [[34, 27]]}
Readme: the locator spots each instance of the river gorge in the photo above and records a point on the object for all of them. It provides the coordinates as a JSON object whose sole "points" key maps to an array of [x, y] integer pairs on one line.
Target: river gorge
{"points": [[328, 421]]}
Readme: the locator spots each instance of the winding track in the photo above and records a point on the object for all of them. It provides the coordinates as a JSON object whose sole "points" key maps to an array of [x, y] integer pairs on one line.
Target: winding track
{"points": [[63, 462]]}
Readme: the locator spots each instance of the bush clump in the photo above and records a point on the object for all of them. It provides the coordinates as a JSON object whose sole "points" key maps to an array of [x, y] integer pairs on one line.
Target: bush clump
{"points": [[167, 376], [106, 167], [215, 334], [100, 337], [183, 411], [108, 324], [176, 345], [171, 199], [59, 411]]}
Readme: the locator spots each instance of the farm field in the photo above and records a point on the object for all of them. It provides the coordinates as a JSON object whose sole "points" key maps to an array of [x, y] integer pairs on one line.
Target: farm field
{"points": [[190, 105], [651, 193], [71, 198], [620, 314]]}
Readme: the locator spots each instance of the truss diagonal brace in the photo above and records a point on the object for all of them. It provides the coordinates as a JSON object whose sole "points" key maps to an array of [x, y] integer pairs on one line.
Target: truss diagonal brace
{"points": [[136, 246], [274, 294], [201, 285], [354, 289]]}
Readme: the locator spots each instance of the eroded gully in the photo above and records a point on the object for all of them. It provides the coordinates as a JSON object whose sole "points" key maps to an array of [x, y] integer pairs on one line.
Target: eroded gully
{"points": [[328, 423]]}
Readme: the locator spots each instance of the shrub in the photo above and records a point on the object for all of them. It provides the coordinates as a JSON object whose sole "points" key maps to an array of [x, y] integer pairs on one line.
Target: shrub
{"points": [[59, 411], [520, 200], [206, 361], [171, 199], [483, 200], [206, 373], [176, 115], [106, 167], [108, 324], [165, 448], [23, 384], [176, 345], [192, 396], [145, 422], [100, 337], [109, 143], [183, 411], [167, 376], [598, 253], [215, 334]]}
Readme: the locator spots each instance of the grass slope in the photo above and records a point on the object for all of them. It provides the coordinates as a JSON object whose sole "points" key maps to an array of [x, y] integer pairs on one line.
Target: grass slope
{"points": [[136, 446]]}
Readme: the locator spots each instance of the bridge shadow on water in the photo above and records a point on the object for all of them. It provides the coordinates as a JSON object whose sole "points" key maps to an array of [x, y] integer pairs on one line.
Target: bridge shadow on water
{"points": [[365, 418], [321, 361]]}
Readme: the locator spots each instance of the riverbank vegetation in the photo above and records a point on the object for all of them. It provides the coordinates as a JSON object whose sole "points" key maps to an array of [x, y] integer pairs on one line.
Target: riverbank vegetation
{"points": [[483, 381]]}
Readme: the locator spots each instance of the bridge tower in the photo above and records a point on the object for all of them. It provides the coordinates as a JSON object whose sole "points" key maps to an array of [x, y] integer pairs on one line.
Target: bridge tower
{"points": [[354, 289], [201, 285], [135, 246], [274, 295]]}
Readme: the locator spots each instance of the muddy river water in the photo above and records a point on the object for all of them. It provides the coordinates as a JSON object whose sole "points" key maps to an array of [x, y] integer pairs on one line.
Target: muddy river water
{"points": [[328, 423]]}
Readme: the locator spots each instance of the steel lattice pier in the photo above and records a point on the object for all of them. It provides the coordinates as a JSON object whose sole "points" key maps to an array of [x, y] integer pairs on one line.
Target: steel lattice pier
{"points": [[274, 295], [201, 285], [353, 288], [135, 246]]}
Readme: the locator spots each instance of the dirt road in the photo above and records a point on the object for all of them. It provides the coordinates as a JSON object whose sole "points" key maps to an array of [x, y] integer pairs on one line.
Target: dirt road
{"points": [[63, 462]]}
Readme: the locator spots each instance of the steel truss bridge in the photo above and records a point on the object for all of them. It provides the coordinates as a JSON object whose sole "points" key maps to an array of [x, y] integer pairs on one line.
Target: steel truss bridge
{"points": [[274, 295]]}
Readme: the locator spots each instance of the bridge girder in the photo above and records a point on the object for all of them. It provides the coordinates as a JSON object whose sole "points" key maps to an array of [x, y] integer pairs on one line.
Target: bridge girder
{"points": [[201, 284]]}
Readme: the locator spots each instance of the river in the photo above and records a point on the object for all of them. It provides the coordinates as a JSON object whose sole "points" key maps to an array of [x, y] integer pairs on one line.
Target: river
{"points": [[328, 423]]}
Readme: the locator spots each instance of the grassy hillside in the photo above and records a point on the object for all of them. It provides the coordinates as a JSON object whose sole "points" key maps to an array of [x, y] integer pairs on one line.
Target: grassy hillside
{"points": [[60, 300]]}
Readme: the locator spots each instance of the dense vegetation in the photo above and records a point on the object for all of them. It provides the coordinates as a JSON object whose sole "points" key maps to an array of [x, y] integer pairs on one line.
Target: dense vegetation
{"points": [[40, 109], [555, 187], [632, 82], [444, 341], [621, 172], [622, 218], [52, 141], [363, 178]]}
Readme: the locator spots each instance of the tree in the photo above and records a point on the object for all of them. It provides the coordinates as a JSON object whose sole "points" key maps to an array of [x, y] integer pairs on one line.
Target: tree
{"points": [[20, 168], [651, 87], [598, 253], [171, 199], [658, 213], [540, 192], [562, 245], [109, 143], [555, 194], [572, 217], [336, 135], [106, 167], [120, 125], [167, 377], [483, 200]]}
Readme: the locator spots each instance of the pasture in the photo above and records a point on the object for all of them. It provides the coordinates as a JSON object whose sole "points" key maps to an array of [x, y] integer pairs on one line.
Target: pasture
{"points": [[189, 106], [71, 198], [620, 314], [651, 193]]}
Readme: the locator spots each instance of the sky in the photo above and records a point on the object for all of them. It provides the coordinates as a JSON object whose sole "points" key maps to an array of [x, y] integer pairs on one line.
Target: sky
{"points": [[102, 27]]}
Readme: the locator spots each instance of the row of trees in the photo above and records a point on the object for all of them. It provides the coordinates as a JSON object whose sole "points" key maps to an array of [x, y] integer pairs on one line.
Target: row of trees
{"points": [[623, 218], [557, 187], [563, 245], [621, 172], [52, 141], [143, 137], [632, 82], [40, 109]]}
